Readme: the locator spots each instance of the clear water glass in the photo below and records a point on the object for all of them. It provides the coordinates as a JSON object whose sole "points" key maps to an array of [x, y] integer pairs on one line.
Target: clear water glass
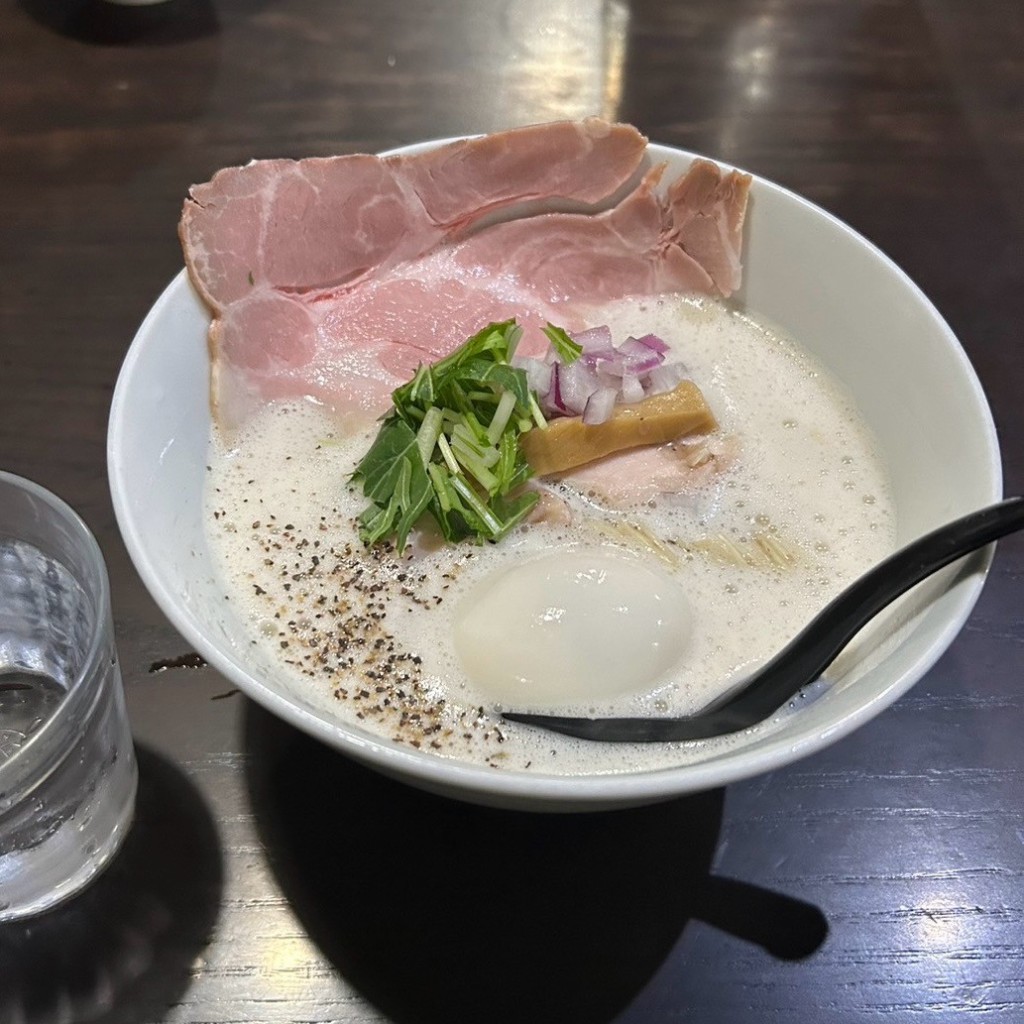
{"points": [[67, 764]]}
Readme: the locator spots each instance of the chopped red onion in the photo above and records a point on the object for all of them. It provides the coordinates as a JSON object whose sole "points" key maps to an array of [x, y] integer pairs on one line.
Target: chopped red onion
{"points": [[578, 382], [599, 406], [594, 339], [632, 389], [602, 376], [665, 378], [538, 374], [554, 395], [652, 341], [638, 358]]}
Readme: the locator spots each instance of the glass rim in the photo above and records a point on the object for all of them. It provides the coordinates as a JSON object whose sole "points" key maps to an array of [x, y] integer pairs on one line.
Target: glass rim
{"points": [[36, 751]]}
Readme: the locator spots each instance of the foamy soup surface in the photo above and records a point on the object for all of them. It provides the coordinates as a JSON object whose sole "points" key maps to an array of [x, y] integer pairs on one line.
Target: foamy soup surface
{"points": [[624, 600]]}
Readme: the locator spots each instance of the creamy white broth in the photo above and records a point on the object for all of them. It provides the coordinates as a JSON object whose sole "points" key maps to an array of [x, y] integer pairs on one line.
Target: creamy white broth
{"points": [[791, 503]]}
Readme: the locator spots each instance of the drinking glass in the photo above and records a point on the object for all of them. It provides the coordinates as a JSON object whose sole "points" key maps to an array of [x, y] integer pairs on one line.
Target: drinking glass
{"points": [[67, 764]]}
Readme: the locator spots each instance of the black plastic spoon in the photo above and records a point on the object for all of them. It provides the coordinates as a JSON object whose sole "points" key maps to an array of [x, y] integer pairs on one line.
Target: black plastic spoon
{"points": [[803, 660]]}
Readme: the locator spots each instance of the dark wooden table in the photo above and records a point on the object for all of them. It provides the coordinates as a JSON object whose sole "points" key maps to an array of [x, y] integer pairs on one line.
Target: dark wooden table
{"points": [[269, 880]]}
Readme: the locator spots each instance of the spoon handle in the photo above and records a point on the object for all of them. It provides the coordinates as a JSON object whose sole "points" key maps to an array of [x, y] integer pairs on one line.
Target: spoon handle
{"points": [[803, 660]]}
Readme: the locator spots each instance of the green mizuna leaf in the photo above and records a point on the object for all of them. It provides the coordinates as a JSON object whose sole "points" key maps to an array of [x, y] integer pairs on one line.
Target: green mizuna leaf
{"points": [[450, 444], [395, 479], [565, 348]]}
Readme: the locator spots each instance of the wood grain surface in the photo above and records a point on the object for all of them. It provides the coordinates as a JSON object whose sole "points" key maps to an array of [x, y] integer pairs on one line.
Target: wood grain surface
{"points": [[267, 879]]}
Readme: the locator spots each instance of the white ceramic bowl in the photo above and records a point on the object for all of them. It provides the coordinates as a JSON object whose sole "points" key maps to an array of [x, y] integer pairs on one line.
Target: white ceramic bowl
{"points": [[805, 271]]}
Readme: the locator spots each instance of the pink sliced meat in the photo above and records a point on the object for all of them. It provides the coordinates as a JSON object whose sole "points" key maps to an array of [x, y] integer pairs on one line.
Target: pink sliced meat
{"points": [[706, 210], [335, 278], [326, 223], [584, 162], [352, 350], [564, 258], [641, 475]]}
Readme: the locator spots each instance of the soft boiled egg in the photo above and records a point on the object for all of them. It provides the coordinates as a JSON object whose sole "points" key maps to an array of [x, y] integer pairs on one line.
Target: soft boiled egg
{"points": [[575, 625]]}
